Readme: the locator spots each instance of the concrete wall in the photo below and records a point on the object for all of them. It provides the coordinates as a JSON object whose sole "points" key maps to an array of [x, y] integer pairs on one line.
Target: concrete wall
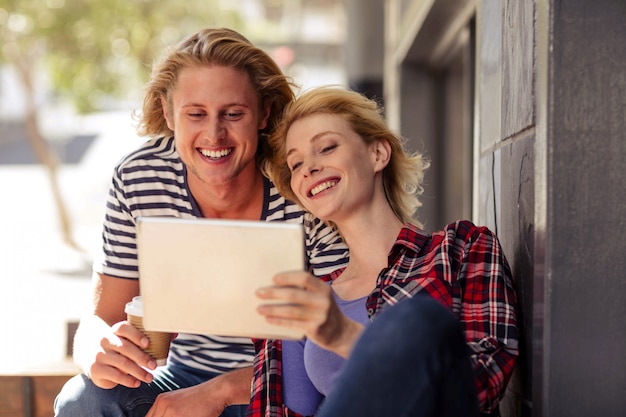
{"points": [[505, 139]]}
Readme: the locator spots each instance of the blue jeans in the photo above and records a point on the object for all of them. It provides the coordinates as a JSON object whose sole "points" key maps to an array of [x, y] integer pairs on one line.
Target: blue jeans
{"points": [[81, 398], [412, 360]]}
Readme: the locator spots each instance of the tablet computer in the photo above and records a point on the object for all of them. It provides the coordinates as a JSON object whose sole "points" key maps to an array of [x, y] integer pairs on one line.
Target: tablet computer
{"points": [[200, 275]]}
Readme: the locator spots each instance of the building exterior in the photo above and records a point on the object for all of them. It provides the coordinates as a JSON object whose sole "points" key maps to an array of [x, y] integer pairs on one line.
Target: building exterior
{"points": [[521, 106]]}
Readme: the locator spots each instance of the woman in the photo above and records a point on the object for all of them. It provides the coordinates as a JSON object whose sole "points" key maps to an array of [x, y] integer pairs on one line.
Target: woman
{"points": [[334, 154]]}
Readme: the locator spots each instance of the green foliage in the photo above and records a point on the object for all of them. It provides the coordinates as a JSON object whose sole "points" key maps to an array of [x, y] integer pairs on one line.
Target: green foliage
{"points": [[98, 51]]}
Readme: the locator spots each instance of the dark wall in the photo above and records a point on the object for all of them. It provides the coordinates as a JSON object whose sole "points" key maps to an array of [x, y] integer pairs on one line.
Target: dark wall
{"points": [[584, 333]]}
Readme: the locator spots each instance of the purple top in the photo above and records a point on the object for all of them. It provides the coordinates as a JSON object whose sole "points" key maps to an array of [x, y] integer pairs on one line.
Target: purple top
{"points": [[310, 371], [299, 393], [323, 366]]}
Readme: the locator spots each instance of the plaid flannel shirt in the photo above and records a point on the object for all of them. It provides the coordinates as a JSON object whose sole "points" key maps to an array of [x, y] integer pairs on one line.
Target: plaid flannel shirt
{"points": [[464, 268]]}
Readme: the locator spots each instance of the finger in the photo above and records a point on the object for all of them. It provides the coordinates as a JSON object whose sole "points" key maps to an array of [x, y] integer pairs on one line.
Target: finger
{"points": [[111, 369], [283, 311], [307, 292], [301, 279], [301, 315], [130, 342], [283, 294], [130, 350], [108, 377], [123, 355], [127, 331]]}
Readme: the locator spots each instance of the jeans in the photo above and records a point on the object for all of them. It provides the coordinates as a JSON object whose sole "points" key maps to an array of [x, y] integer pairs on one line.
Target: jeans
{"points": [[81, 398], [412, 360]]}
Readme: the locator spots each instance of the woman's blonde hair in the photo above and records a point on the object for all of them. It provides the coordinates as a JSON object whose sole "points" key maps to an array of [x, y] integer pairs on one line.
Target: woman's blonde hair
{"points": [[403, 176], [214, 46]]}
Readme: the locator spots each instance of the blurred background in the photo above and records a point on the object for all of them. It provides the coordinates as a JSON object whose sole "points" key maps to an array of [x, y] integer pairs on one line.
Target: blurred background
{"points": [[71, 73], [518, 104]]}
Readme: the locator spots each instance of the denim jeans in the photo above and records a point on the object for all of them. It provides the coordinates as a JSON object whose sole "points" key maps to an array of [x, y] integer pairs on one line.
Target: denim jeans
{"points": [[412, 360], [81, 398]]}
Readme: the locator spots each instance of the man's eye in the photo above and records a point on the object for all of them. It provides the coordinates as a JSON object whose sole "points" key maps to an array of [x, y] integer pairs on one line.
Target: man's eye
{"points": [[233, 115]]}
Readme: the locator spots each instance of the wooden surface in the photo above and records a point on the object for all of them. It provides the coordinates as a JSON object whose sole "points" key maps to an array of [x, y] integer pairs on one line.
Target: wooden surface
{"points": [[29, 395]]}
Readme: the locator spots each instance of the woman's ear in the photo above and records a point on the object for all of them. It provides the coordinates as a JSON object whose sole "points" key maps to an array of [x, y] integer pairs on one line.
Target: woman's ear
{"points": [[166, 113], [382, 154]]}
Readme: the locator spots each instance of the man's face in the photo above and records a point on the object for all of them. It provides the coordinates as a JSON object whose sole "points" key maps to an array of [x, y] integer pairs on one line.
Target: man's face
{"points": [[215, 115]]}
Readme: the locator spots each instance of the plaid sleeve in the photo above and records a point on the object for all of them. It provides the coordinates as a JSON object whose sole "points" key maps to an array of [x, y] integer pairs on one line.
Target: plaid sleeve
{"points": [[266, 394], [488, 312]]}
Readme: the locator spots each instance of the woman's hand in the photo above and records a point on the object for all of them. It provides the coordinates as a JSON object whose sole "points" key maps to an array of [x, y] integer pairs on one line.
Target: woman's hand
{"points": [[304, 302]]}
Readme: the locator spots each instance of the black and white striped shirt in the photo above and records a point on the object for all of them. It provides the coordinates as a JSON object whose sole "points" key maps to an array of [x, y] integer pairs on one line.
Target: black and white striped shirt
{"points": [[151, 181]]}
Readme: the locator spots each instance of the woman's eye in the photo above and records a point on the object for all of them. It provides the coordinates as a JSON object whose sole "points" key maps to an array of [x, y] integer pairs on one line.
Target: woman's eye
{"points": [[295, 166], [195, 115], [329, 148]]}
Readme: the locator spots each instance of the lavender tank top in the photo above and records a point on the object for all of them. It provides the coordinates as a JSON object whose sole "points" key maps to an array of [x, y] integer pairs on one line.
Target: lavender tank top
{"points": [[308, 370], [323, 366]]}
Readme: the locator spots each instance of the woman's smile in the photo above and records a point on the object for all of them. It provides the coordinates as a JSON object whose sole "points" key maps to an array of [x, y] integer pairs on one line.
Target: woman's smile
{"points": [[325, 185]]}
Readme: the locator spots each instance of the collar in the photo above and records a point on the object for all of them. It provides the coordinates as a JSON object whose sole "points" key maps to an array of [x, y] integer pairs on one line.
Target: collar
{"points": [[411, 238]]}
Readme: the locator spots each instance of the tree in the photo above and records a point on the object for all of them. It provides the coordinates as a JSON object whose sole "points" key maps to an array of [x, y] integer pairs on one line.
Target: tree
{"points": [[94, 52]]}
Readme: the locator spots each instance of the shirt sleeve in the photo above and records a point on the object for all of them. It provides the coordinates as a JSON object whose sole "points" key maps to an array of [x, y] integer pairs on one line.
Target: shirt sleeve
{"points": [[326, 251], [118, 256], [488, 313], [266, 389]]}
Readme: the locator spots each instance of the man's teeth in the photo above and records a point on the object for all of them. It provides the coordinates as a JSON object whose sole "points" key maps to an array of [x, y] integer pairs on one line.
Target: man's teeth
{"points": [[323, 186], [215, 154]]}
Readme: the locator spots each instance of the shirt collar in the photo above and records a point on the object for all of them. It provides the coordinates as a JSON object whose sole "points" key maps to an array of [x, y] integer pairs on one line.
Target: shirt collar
{"points": [[410, 238]]}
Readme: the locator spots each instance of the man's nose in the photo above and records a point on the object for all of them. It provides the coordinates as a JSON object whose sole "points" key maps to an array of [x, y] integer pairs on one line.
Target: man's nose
{"points": [[214, 130]]}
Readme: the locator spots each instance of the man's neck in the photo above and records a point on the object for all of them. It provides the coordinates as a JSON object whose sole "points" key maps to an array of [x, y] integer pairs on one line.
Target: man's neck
{"points": [[238, 199]]}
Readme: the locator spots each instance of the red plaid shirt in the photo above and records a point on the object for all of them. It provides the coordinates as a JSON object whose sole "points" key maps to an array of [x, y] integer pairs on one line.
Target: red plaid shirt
{"points": [[464, 268]]}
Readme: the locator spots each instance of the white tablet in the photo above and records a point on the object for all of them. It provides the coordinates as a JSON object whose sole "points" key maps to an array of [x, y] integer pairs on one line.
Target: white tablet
{"points": [[200, 275]]}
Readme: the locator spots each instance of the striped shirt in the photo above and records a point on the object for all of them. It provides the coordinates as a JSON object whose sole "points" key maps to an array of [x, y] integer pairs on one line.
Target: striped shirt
{"points": [[151, 181], [464, 268]]}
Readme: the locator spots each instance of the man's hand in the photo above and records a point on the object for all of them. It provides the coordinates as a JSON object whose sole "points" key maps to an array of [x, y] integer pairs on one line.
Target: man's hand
{"points": [[119, 358], [208, 399]]}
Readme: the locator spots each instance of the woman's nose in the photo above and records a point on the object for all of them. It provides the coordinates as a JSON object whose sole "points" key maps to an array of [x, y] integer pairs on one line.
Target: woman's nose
{"points": [[312, 168]]}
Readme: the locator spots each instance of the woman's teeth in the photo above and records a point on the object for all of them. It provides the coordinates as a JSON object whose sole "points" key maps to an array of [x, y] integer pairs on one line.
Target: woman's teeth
{"points": [[323, 186]]}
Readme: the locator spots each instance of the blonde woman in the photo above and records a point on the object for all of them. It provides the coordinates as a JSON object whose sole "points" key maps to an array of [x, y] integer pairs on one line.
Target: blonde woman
{"points": [[443, 335]]}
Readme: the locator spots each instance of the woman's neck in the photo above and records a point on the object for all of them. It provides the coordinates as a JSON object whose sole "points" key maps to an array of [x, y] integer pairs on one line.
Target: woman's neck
{"points": [[369, 237]]}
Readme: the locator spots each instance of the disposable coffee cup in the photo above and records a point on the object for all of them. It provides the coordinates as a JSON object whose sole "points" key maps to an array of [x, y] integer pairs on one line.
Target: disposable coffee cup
{"points": [[159, 346]]}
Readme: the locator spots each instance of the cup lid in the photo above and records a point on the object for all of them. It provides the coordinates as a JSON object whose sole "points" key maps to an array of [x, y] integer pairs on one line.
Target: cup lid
{"points": [[134, 307]]}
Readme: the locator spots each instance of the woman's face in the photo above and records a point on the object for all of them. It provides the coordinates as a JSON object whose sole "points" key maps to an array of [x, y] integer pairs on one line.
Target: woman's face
{"points": [[332, 168], [216, 118]]}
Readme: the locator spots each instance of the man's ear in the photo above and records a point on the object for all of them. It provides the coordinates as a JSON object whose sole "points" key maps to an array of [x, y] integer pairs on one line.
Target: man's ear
{"points": [[166, 114], [266, 116], [382, 154]]}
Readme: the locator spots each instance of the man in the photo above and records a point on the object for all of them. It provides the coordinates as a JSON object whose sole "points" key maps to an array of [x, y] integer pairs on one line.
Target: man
{"points": [[207, 104]]}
